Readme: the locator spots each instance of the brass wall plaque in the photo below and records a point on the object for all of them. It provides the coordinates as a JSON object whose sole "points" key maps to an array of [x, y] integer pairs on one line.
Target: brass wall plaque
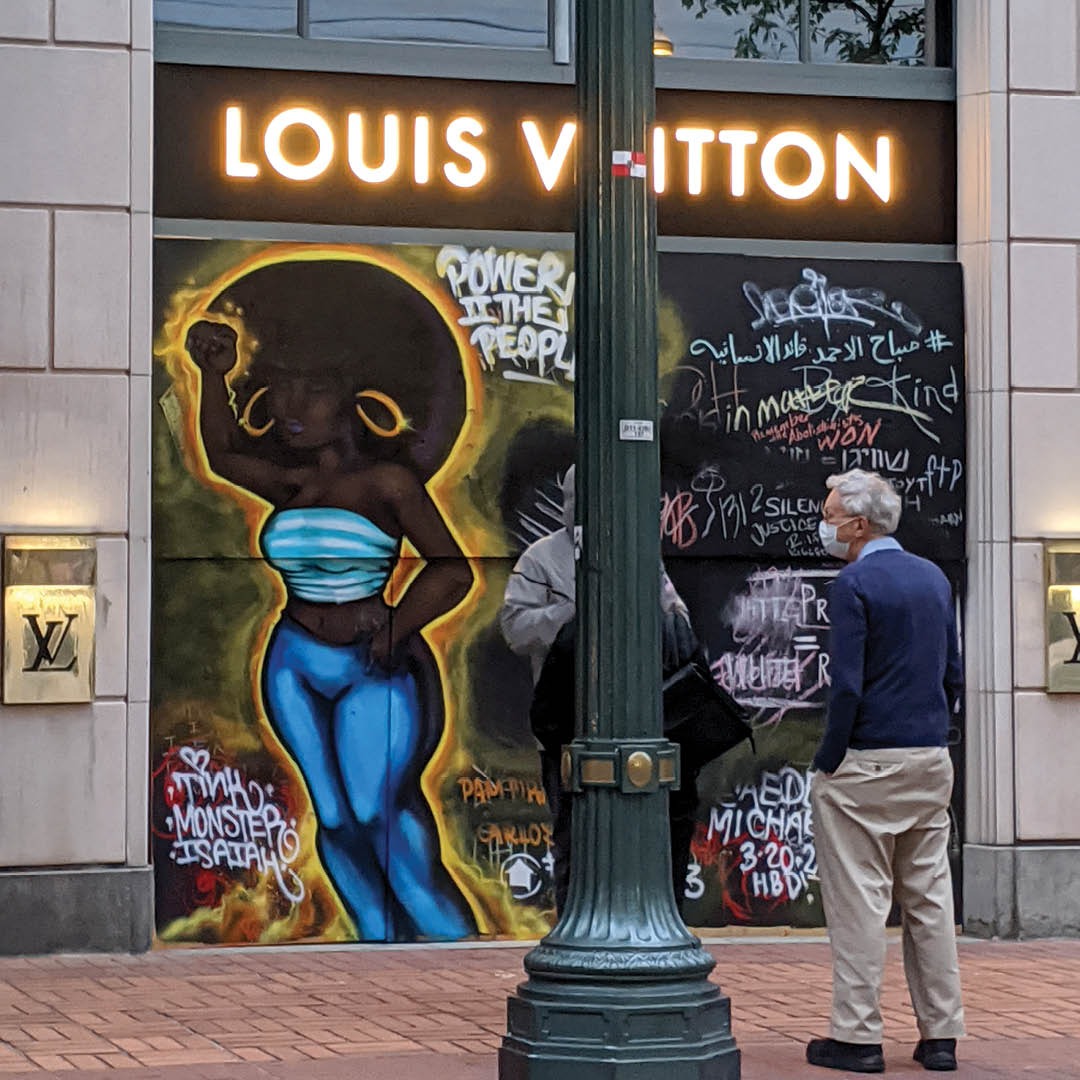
{"points": [[49, 602]]}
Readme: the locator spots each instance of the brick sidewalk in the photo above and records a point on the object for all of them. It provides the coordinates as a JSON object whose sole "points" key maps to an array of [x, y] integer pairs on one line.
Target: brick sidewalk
{"points": [[378, 1014]]}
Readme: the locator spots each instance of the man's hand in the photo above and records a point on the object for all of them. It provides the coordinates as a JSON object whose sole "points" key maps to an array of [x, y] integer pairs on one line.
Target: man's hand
{"points": [[826, 767]]}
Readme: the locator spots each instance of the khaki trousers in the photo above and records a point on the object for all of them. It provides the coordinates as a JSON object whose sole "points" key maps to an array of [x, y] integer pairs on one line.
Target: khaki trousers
{"points": [[881, 829]]}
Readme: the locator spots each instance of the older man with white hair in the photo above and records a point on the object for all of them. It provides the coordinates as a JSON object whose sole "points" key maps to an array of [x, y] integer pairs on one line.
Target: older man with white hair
{"points": [[883, 780]]}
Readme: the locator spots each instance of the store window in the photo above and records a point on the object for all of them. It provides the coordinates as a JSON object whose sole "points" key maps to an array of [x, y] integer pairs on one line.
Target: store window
{"points": [[503, 23], [445, 351], [728, 29], [261, 16], [879, 33], [499, 23], [902, 33], [874, 33]]}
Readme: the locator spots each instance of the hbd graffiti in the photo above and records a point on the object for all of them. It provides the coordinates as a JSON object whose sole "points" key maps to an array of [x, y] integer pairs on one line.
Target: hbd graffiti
{"points": [[767, 830], [218, 818]]}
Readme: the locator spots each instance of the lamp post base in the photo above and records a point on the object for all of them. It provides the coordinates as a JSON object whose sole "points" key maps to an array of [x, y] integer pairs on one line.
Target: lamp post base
{"points": [[561, 1029]]}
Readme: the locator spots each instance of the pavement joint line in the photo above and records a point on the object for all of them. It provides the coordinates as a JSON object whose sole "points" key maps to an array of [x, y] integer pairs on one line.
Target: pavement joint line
{"points": [[807, 937]]}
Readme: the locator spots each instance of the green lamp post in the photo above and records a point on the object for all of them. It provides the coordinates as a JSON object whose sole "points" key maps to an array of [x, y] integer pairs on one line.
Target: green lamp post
{"points": [[619, 989]]}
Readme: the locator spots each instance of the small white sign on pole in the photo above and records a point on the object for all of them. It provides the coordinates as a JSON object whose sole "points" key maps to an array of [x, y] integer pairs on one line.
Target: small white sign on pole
{"points": [[636, 430]]}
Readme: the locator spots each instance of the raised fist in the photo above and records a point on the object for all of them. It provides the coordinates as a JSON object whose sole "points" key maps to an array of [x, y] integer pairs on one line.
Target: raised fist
{"points": [[212, 346]]}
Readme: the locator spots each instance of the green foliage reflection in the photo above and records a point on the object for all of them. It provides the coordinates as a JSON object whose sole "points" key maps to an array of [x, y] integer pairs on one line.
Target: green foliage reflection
{"points": [[851, 31]]}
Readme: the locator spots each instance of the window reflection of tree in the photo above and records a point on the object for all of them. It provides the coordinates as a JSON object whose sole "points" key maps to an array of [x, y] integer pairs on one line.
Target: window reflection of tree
{"points": [[848, 31]]}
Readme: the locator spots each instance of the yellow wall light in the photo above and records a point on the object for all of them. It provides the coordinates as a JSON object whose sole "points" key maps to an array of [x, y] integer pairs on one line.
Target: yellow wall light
{"points": [[662, 45]]}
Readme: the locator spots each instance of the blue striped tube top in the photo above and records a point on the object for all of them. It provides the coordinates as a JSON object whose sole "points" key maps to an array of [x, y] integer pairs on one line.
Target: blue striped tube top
{"points": [[327, 555]]}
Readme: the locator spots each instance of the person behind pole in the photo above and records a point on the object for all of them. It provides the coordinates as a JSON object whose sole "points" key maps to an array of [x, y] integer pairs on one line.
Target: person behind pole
{"points": [[537, 621], [539, 598], [880, 793], [537, 605], [679, 645]]}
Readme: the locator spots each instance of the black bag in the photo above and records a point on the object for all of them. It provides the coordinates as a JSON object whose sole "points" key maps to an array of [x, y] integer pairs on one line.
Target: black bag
{"points": [[551, 714], [700, 715]]}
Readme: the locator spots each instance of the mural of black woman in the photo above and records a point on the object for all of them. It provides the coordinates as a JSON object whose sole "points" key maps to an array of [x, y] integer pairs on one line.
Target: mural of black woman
{"points": [[353, 396]]}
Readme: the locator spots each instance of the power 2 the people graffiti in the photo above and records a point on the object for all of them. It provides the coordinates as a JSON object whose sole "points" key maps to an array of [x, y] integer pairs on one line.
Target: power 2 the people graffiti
{"points": [[351, 447]]}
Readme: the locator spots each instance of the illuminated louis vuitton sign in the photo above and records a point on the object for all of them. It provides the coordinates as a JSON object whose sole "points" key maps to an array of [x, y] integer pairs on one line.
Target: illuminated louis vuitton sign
{"points": [[466, 159], [354, 149]]}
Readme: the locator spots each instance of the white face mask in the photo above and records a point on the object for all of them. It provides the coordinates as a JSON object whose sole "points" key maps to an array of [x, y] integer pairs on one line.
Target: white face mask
{"points": [[838, 549]]}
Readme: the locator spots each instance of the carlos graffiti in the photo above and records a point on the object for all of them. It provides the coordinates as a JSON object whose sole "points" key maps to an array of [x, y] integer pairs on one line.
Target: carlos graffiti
{"points": [[352, 445]]}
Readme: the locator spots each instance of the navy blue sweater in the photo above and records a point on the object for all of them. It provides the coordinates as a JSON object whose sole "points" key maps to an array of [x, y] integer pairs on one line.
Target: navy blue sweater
{"points": [[895, 664]]}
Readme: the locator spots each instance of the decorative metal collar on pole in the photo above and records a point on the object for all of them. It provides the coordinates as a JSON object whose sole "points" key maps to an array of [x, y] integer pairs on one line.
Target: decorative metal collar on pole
{"points": [[620, 987]]}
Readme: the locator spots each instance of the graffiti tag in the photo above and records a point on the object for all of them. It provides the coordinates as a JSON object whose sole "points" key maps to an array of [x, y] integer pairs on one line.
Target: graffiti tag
{"points": [[516, 308], [218, 818], [815, 300], [762, 836]]}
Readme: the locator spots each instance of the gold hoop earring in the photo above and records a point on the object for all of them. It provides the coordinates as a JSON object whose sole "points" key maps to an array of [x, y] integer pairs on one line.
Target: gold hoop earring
{"points": [[390, 405], [245, 419]]}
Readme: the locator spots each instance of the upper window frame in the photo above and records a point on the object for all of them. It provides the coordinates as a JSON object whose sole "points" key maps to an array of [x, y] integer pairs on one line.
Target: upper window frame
{"points": [[553, 64]]}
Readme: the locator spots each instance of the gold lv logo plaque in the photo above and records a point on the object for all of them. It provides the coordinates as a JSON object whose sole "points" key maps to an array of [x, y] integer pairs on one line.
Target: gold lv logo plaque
{"points": [[48, 620], [42, 653]]}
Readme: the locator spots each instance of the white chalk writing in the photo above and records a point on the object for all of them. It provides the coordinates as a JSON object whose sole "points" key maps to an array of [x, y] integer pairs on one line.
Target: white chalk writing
{"points": [[767, 828], [815, 300], [779, 628]]}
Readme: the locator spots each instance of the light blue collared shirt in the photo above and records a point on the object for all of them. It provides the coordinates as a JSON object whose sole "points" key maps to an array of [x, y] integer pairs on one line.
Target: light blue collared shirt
{"points": [[881, 543]]}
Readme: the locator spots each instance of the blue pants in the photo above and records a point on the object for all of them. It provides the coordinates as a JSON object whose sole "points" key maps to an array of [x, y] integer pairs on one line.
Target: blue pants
{"points": [[356, 735]]}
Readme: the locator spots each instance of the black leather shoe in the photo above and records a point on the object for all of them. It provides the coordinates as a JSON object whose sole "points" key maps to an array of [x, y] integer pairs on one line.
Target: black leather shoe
{"points": [[937, 1055], [850, 1057]]}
